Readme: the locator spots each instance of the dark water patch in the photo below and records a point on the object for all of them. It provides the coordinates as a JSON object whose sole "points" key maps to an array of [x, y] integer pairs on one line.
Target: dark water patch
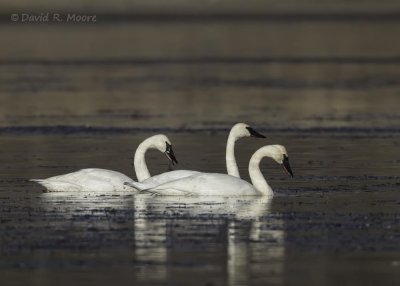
{"points": [[342, 60], [103, 113], [365, 83], [172, 83], [355, 117], [74, 263], [284, 83], [66, 130], [347, 178], [343, 232]]}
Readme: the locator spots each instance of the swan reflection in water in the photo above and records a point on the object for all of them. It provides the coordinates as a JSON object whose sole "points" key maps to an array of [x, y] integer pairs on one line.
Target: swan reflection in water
{"points": [[226, 239], [202, 231]]}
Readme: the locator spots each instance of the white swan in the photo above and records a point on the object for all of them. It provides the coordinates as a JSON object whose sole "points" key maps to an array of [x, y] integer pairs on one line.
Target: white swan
{"points": [[214, 184], [101, 180], [239, 130]]}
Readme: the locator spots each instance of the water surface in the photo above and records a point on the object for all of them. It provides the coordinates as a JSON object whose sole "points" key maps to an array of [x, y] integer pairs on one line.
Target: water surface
{"points": [[80, 96]]}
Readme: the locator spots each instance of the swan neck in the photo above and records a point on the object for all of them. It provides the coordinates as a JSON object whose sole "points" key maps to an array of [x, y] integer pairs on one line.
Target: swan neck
{"points": [[257, 178], [231, 165], [142, 173]]}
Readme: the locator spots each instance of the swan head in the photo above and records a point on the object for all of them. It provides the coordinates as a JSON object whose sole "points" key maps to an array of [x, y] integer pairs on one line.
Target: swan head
{"points": [[245, 130], [279, 154], [163, 144]]}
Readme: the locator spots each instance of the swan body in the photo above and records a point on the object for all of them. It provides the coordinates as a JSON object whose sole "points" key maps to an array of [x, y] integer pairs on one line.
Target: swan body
{"points": [[102, 180], [214, 184], [91, 179], [239, 130], [205, 184]]}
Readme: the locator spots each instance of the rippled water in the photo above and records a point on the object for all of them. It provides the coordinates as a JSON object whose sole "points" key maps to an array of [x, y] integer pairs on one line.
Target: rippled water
{"points": [[331, 98], [338, 215]]}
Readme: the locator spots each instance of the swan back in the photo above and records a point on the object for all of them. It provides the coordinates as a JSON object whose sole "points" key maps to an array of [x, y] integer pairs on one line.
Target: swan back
{"points": [[206, 184], [92, 179]]}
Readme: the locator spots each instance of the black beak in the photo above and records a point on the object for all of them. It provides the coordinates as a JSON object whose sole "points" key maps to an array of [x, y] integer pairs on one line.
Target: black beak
{"points": [[254, 133], [286, 165], [170, 154]]}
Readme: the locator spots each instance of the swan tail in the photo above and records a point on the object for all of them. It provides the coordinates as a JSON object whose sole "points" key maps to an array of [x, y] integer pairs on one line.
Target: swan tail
{"points": [[47, 185], [141, 188], [169, 192], [40, 182], [158, 192], [135, 185]]}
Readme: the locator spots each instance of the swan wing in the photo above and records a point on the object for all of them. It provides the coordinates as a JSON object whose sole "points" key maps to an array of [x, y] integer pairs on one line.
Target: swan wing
{"points": [[105, 174], [206, 184], [167, 177], [116, 179]]}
